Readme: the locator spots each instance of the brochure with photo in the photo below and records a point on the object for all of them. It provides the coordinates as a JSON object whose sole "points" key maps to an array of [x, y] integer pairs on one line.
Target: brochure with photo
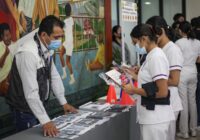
{"points": [[67, 119], [101, 115], [114, 75], [117, 108], [70, 132], [95, 106], [86, 122]]}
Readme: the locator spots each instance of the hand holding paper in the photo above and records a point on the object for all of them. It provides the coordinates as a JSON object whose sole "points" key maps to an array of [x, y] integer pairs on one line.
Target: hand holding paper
{"points": [[132, 72], [128, 88]]}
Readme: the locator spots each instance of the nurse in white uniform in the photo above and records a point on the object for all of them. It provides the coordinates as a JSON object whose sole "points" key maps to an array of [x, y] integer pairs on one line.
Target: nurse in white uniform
{"points": [[190, 48], [154, 119], [175, 58]]}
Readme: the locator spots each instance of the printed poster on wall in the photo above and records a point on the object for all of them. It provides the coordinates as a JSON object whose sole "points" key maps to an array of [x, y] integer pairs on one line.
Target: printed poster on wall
{"points": [[129, 11]]}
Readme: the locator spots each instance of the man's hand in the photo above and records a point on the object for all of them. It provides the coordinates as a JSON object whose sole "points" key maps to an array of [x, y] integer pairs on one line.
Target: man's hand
{"points": [[50, 129], [68, 108]]}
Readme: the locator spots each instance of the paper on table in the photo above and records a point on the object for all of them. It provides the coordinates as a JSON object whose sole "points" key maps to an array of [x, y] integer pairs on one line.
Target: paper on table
{"points": [[95, 106]]}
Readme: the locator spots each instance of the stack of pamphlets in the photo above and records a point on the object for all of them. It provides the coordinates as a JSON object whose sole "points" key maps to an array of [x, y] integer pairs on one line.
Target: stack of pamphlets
{"points": [[118, 108], [70, 132], [65, 120], [95, 106], [102, 115], [89, 115], [79, 127]]}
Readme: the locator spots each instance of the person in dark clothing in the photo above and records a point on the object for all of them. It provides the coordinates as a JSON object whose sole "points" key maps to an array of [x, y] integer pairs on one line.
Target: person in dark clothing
{"points": [[117, 46]]}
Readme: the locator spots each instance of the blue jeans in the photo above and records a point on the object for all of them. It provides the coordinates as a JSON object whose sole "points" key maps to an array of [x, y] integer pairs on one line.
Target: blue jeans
{"points": [[23, 120]]}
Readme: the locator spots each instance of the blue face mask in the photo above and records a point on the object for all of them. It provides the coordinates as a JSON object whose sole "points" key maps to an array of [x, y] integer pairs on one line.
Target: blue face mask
{"points": [[55, 44], [140, 50]]}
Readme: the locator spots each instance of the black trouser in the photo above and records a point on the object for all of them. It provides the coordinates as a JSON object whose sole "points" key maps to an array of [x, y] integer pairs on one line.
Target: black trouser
{"points": [[198, 98]]}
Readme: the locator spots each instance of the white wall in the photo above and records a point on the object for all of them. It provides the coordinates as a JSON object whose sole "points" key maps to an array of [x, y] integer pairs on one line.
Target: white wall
{"points": [[149, 10], [114, 12], [192, 9], [171, 7], [127, 28]]}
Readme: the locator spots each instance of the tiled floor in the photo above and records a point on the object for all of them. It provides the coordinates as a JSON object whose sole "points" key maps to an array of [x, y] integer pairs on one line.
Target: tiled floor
{"points": [[191, 138]]}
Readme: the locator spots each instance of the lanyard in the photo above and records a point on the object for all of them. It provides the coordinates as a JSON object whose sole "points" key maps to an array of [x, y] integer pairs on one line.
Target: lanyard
{"points": [[48, 62]]}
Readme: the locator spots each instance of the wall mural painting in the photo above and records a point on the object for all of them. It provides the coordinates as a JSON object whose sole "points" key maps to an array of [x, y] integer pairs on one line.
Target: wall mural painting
{"points": [[82, 56], [88, 55]]}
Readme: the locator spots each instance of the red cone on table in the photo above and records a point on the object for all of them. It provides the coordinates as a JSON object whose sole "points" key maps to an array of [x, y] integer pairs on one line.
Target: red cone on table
{"points": [[111, 95], [135, 83], [126, 99]]}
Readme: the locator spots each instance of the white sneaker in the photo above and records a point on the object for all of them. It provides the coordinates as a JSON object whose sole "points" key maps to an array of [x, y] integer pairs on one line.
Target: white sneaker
{"points": [[183, 135], [193, 133], [72, 80], [64, 75]]}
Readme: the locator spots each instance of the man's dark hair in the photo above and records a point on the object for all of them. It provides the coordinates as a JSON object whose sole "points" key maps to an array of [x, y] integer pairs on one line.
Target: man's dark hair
{"points": [[177, 16], [3, 27], [48, 23], [68, 9]]}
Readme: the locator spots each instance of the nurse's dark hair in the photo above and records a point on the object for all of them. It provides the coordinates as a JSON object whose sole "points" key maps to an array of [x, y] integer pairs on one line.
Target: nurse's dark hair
{"points": [[48, 23], [186, 28], [157, 23], [145, 30], [135, 33], [195, 22], [68, 9]]}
